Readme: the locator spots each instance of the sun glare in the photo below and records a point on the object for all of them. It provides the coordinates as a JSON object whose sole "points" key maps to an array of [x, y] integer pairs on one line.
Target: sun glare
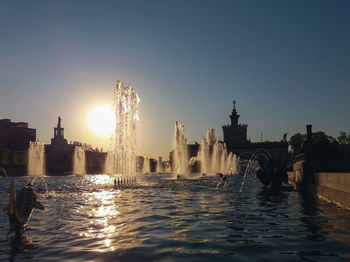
{"points": [[101, 120]]}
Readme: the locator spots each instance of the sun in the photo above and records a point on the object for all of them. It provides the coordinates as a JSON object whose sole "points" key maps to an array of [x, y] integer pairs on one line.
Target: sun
{"points": [[101, 120]]}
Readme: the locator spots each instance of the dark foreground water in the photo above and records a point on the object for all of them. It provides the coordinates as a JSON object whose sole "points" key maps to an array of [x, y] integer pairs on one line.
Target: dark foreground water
{"points": [[164, 219]]}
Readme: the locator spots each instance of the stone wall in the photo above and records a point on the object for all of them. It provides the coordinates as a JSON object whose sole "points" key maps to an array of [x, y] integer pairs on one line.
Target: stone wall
{"points": [[291, 178], [330, 186], [334, 187]]}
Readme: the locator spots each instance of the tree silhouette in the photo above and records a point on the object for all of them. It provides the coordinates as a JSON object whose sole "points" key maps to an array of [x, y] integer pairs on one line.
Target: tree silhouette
{"points": [[343, 138], [296, 142]]}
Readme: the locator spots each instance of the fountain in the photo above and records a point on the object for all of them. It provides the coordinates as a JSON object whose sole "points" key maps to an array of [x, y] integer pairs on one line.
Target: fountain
{"points": [[36, 159], [79, 161], [159, 165], [233, 164], [214, 158], [229, 161], [167, 168], [212, 155], [109, 163], [123, 160], [146, 166], [223, 159], [253, 163], [180, 153], [211, 137], [203, 156], [36, 163]]}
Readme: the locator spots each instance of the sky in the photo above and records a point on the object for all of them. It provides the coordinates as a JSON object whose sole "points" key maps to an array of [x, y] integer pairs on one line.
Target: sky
{"points": [[286, 63]]}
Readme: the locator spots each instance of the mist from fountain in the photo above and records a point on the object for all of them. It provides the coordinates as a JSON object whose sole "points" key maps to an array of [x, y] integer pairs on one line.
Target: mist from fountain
{"points": [[79, 161], [180, 152], [36, 159]]}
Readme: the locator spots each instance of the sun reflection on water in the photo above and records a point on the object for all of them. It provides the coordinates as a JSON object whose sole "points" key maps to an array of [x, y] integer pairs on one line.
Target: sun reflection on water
{"points": [[99, 179], [103, 213], [110, 215]]}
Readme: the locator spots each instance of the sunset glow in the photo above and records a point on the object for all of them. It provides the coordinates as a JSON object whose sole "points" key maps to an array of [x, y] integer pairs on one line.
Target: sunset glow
{"points": [[101, 120]]}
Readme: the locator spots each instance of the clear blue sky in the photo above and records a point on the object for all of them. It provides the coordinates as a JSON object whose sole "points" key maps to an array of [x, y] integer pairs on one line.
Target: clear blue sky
{"points": [[287, 63]]}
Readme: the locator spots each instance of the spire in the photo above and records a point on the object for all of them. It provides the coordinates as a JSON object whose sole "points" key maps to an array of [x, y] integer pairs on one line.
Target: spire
{"points": [[59, 122], [234, 116]]}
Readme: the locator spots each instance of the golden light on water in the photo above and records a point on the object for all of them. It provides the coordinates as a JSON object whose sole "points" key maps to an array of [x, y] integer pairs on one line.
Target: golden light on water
{"points": [[109, 215], [101, 180], [102, 214], [101, 120]]}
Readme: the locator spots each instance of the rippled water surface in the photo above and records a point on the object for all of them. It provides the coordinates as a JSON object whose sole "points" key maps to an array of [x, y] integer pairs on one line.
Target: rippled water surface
{"points": [[167, 219]]}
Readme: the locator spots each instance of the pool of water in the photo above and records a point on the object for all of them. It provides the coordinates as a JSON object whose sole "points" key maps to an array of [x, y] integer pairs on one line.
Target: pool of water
{"points": [[161, 218]]}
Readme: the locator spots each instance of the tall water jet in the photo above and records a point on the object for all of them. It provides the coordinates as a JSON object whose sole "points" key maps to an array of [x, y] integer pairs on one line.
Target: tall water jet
{"points": [[146, 168], [216, 157], [228, 163], [126, 103], [234, 164], [109, 163], [159, 165], [180, 153], [211, 137], [223, 158], [79, 161], [203, 156], [213, 151], [238, 165], [36, 159]]}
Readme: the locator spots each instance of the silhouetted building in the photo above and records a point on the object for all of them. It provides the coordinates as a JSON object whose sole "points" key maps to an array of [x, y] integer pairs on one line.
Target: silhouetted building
{"points": [[193, 149], [153, 165], [59, 154], [14, 144], [235, 137]]}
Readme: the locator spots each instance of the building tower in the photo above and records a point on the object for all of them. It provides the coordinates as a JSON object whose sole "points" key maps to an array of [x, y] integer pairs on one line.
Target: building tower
{"points": [[58, 136], [235, 133]]}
